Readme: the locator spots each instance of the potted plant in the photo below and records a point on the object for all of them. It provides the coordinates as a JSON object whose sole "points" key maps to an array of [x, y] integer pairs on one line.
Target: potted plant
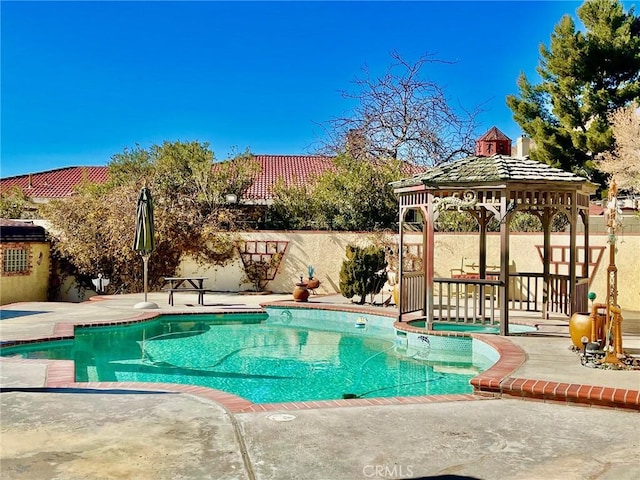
{"points": [[312, 283], [300, 293]]}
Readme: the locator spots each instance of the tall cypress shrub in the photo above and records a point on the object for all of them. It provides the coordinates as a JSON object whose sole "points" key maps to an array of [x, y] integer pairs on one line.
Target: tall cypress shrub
{"points": [[363, 272]]}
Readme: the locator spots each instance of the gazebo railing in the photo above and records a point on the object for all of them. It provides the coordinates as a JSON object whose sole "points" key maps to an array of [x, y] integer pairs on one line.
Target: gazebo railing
{"points": [[412, 292], [473, 300], [525, 291], [559, 298], [466, 300], [582, 292], [559, 301]]}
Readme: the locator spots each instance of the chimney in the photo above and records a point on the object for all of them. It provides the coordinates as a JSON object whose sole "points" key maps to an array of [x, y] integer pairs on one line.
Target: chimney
{"points": [[523, 144], [356, 143]]}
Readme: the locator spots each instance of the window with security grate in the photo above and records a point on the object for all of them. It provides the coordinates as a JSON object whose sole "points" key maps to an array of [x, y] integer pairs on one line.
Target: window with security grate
{"points": [[15, 260]]}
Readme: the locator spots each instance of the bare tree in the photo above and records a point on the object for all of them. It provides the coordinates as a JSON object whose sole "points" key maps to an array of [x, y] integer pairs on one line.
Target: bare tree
{"points": [[623, 163], [402, 116]]}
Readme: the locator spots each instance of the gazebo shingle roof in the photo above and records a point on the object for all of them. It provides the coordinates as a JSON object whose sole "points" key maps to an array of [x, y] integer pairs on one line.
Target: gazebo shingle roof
{"points": [[498, 168]]}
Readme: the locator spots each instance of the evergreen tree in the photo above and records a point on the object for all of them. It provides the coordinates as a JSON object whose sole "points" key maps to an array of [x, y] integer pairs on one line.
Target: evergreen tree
{"points": [[363, 272], [585, 76]]}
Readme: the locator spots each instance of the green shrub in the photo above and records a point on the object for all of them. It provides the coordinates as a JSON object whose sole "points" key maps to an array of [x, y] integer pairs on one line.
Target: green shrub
{"points": [[363, 272]]}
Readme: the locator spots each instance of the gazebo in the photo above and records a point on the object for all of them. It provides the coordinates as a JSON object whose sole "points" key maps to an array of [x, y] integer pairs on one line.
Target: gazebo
{"points": [[491, 187]]}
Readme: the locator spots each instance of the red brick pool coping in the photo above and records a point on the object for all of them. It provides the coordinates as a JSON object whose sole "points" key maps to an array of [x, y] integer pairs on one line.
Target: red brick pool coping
{"points": [[496, 382]]}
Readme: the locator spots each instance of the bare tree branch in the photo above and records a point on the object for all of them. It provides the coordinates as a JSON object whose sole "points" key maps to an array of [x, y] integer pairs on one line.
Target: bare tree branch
{"points": [[402, 116], [623, 163]]}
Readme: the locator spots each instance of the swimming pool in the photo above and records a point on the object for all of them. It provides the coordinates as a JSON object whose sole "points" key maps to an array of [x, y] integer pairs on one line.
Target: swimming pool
{"points": [[282, 356]]}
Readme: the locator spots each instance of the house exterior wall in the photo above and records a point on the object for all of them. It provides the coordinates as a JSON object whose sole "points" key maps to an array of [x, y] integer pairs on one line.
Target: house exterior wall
{"points": [[29, 286], [326, 252]]}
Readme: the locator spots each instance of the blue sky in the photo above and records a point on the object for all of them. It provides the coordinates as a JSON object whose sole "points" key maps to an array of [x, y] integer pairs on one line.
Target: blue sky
{"points": [[83, 80]]}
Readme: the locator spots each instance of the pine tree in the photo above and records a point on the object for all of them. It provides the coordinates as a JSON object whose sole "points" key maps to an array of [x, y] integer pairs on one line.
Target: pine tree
{"points": [[585, 75]]}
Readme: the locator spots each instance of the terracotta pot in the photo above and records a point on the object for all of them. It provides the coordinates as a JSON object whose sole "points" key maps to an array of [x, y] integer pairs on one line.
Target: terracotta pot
{"points": [[300, 293], [313, 283], [580, 326]]}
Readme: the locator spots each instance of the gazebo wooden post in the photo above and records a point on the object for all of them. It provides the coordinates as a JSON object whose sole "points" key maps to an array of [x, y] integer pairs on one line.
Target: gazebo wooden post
{"points": [[400, 281], [503, 290], [587, 253], [428, 255], [546, 221], [483, 221], [573, 222]]}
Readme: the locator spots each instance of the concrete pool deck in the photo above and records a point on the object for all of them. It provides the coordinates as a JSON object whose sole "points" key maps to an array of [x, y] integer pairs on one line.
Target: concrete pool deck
{"points": [[127, 431]]}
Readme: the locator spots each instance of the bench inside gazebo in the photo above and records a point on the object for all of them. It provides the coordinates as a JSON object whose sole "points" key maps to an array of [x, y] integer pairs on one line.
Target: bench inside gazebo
{"points": [[492, 187]]}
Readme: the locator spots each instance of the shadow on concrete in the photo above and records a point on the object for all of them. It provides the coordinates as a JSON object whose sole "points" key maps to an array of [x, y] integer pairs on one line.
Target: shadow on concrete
{"points": [[443, 477], [111, 391], [5, 314]]}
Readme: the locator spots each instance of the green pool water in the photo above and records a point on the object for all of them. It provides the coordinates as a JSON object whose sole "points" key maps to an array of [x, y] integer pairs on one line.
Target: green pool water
{"points": [[262, 361]]}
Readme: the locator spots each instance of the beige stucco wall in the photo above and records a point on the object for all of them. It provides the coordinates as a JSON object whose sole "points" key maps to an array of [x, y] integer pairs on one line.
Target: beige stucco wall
{"points": [[326, 252], [31, 287]]}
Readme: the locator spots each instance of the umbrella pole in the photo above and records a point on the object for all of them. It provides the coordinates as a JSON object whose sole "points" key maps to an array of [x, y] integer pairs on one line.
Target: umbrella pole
{"points": [[145, 304], [145, 260]]}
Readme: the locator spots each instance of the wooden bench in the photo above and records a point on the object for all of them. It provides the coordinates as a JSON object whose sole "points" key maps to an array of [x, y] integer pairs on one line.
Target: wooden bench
{"points": [[200, 291], [186, 284]]}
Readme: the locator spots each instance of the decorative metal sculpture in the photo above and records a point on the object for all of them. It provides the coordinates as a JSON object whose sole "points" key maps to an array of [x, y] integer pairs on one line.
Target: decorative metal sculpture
{"points": [[613, 325]]}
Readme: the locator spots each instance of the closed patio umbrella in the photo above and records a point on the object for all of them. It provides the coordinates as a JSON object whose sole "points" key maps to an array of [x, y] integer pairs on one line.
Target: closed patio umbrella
{"points": [[144, 241]]}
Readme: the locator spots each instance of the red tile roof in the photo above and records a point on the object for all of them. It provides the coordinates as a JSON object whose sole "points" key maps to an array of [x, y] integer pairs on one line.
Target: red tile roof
{"points": [[293, 169], [60, 183], [57, 183]]}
